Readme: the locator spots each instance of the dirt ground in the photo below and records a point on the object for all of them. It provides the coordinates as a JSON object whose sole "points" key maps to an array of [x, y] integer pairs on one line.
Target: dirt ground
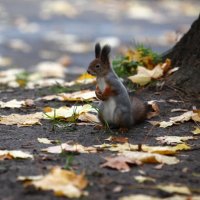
{"points": [[102, 181]]}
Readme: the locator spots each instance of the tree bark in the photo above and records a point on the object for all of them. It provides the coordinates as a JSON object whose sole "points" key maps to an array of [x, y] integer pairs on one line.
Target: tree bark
{"points": [[186, 55]]}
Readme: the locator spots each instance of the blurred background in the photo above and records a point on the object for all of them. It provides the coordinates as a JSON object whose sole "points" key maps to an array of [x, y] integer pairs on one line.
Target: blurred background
{"points": [[65, 31]]}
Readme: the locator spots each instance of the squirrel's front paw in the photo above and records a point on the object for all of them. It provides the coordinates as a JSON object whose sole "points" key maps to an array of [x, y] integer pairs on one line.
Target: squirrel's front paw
{"points": [[100, 95]]}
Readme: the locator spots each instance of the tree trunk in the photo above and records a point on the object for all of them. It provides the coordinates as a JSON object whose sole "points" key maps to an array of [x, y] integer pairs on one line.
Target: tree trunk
{"points": [[186, 55]]}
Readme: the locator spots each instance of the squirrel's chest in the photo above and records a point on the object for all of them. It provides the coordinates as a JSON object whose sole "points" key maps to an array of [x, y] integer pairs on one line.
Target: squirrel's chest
{"points": [[101, 84]]}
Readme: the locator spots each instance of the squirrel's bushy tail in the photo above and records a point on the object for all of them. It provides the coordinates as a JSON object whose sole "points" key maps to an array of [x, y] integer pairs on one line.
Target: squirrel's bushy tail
{"points": [[139, 109]]}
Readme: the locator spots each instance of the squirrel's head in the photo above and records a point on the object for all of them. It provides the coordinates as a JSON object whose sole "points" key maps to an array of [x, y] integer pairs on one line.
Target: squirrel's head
{"points": [[100, 66]]}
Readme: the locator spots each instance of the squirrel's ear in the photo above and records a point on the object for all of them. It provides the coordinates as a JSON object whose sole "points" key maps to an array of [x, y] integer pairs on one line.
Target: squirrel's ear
{"points": [[105, 53], [97, 50]]}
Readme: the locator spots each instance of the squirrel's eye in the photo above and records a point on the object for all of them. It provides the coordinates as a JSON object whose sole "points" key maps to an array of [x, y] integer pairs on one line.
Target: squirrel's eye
{"points": [[97, 66]]}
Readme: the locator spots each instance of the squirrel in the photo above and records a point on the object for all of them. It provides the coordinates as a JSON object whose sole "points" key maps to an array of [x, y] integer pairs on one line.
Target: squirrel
{"points": [[116, 108]]}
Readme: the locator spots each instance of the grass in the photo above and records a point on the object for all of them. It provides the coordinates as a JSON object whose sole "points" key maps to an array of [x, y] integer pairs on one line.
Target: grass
{"points": [[69, 162], [59, 123]]}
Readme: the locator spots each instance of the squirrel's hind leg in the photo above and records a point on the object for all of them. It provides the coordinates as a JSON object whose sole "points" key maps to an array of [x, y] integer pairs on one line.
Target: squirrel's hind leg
{"points": [[122, 119]]}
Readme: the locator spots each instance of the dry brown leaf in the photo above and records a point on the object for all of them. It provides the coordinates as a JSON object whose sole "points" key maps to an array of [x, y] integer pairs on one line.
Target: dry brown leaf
{"points": [[62, 182], [22, 120], [117, 139], [120, 163], [70, 148], [174, 139], [155, 112], [12, 154]]}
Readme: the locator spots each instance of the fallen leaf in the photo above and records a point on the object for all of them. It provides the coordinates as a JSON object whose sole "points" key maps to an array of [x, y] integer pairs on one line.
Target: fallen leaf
{"points": [[72, 113], [146, 197], [21, 120], [88, 117], [174, 139], [12, 154], [155, 112], [139, 197], [144, 75], [83, 79], [83, 95], [117, 139], [179, 110], [117, 189], [143, 179], [120, 163], [180, 147], [164, 150], [196, 131], [46, 141], [12, 104], [146, 157], [189, 115], [174, 188], [64, 147], [62, 182]]}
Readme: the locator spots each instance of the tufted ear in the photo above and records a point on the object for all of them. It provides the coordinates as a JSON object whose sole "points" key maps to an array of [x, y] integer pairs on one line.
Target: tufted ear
{"points": [[97, 50], [105, 54]]}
